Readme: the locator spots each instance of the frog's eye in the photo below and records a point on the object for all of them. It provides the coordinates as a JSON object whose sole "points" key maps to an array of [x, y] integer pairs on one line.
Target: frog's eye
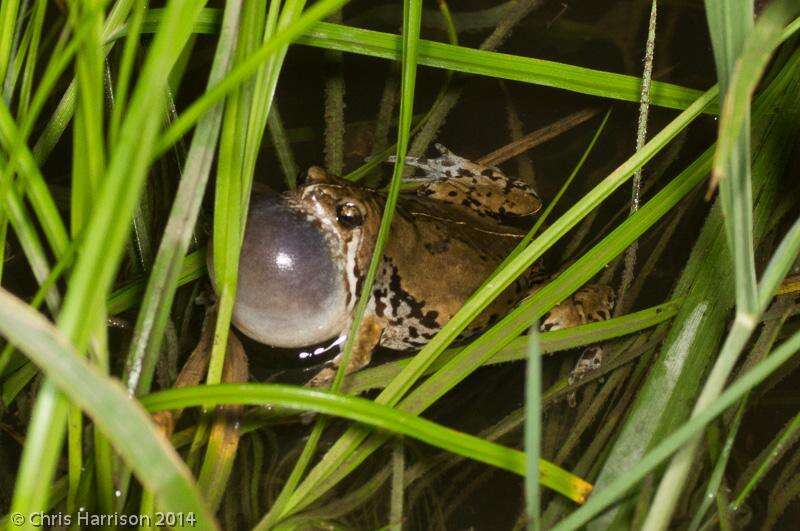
{"points": [[349, 216]]}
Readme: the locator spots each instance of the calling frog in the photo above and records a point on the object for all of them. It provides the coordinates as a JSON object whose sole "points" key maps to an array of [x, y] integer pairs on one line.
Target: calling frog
{"points": [[306, 253]]}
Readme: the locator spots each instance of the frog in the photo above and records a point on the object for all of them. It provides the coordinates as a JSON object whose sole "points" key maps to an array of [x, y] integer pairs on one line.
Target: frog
{"points": [[305, 256]]}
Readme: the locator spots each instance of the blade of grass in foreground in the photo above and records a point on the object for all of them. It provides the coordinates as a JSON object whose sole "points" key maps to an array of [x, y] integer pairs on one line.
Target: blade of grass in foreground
{"points": [[706, 285], [533, 429], [500, 65], [244, 119], [126, 424], [88, 167], [8, 19], [668, 491], [163, 278], [549, 342], [368, 412]]}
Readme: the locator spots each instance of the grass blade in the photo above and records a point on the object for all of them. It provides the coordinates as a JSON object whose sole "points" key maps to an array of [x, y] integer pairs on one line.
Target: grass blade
{"points": [[516, 350], [500, 65], [163, 278], [533, 429], [707, 287], [366, 411]]}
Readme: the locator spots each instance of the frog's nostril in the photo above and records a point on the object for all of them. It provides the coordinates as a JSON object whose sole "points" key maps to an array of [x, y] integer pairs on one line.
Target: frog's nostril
{"points": [[290, 291]]}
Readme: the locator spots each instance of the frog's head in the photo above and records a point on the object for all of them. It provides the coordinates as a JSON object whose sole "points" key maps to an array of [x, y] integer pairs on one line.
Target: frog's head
{"points": [[303, 259]]}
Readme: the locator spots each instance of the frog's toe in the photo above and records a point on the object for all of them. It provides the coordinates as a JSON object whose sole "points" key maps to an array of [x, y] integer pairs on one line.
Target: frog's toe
{"points": [[444, 152], [417, 162]]}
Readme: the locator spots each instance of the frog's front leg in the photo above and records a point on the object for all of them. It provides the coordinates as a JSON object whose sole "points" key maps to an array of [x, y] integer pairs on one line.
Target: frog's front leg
{"points": [[367, 339], [486, 190], [589, 304]]}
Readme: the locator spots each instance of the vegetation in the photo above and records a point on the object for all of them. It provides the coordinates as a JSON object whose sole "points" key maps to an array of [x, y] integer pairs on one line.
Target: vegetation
{"points": [[115, 114]]}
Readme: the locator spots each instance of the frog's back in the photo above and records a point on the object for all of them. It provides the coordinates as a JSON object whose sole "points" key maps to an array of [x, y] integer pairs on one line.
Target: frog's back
{"points": [[485, 235], [437, 256]]}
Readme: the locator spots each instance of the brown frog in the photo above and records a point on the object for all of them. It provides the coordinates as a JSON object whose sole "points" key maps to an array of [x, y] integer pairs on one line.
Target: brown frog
{"points": [[305, 256]]}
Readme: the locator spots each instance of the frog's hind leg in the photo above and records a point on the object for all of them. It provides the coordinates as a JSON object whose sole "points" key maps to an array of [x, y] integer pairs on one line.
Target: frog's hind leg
{"points": [[486, 190], [368, 337], [446, 166]]}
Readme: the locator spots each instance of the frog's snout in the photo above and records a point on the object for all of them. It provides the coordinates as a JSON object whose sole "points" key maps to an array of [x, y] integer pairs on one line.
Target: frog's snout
{"points": [[291, 291]]}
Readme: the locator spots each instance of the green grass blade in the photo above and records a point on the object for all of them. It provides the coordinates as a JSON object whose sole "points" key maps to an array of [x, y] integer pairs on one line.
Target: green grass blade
{"points": [[126, 424], [58, 122], [500, 65], [243, 71], [706, 285], [411, 27], [771, 456], [242, 126], [455, 58], [729, 22], [549, 342], [533, 430], [368, 412], [126, 69], [192, 267], [8, 21], [37, 191], [88, 167], [37, 21], [717, 474]]}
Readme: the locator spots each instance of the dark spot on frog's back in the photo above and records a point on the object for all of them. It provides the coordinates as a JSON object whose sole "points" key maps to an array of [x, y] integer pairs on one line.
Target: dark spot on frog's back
{"points": [[380, 306], [438, 246]]}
